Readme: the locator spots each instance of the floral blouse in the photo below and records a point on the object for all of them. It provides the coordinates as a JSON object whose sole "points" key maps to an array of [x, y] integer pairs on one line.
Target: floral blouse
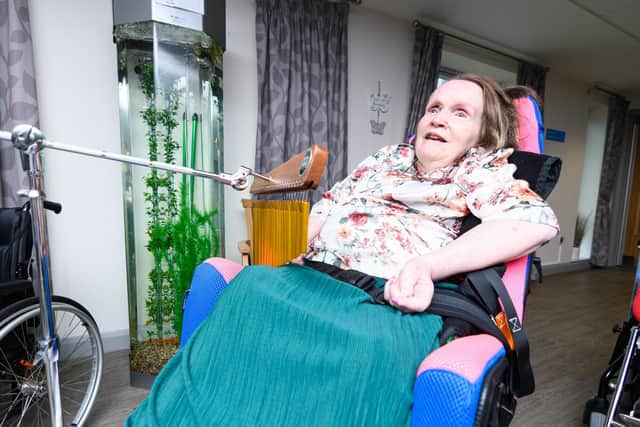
{"points": [[385, 212]]}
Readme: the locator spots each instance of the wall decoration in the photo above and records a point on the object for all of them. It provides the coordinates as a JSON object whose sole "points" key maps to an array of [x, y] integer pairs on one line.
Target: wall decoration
{"points": [[555, 135], [380, 105]]}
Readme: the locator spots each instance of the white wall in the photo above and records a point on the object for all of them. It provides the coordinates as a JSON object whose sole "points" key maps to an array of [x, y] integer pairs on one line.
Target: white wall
{"points": [[75, 61], [380, 49], [566, 109], [240, 92]]}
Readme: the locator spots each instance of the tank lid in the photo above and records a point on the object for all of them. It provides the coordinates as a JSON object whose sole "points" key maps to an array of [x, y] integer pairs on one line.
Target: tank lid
{"points": [[192, 14]]}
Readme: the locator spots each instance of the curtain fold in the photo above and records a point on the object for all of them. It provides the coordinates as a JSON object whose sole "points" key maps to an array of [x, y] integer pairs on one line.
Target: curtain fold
{"points": [[425, 67], [302, 83], [532, 75], [601, 244], [18, 100]]}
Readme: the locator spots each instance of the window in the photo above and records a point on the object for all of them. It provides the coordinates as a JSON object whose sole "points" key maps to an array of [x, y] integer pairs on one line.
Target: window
{"points": [[462, 57], [590, 183]]}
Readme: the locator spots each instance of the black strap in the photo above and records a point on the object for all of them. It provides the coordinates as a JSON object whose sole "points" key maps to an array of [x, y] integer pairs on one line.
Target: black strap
{"points": [[487, 285], [451, 303], [475, 302], [353, 277]]}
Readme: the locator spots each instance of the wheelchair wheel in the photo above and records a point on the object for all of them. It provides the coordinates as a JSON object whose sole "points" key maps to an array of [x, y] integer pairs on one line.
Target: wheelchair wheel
{"points": [[23, 383], [595, 412], [597, 419]]}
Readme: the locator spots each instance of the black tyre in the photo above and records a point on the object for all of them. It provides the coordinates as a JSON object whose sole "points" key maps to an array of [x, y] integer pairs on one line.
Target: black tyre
{"points": [[23, 384]]}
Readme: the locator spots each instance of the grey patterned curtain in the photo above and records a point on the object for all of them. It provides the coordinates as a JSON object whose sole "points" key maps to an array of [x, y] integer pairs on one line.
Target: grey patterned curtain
{"points": [[532, 75], [302, 83], [425, 67], [18, 103], [601, 244]]}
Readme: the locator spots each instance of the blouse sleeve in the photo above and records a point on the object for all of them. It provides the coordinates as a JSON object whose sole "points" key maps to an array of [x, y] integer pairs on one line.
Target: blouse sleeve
{"points": [[492, 193], [343, 191]]}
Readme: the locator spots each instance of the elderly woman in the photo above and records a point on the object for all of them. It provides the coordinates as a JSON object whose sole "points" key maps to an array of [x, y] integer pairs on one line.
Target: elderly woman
{"points": [[294, 346]]}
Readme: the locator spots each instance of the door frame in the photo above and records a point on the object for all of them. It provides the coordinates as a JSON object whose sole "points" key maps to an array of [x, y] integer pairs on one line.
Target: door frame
{"points": [[622, 192]]}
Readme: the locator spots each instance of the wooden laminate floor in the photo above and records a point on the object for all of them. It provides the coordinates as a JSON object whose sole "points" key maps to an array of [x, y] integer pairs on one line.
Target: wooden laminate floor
{"points": [[569, 319]]}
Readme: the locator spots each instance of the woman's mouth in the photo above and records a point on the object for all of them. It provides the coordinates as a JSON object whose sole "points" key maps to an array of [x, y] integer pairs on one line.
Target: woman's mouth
{"points": [[434, 137]]}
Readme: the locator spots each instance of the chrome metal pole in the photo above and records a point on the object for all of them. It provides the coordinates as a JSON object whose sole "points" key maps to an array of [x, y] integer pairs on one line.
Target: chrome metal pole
{"points": [[29, 140], [622, 377], [238, 180]]}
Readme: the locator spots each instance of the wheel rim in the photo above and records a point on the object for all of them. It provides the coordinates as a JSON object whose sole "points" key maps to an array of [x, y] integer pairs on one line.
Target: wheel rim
{"points": [[23, 384]]}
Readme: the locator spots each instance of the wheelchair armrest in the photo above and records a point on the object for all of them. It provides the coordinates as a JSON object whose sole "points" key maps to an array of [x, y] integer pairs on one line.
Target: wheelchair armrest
{"points": [[209, 280], [450, 381]]}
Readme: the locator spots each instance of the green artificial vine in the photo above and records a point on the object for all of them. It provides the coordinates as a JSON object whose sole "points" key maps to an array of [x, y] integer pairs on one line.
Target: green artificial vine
{"points": [[160, 197], [180, 236], [195, 236]]}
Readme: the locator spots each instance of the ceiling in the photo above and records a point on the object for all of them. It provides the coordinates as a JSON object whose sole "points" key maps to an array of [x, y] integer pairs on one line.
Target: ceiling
{"points": [[593, 41]]}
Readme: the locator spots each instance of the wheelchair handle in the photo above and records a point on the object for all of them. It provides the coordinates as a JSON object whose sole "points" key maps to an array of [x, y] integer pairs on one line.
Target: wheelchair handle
{"points": [[55, 207]]}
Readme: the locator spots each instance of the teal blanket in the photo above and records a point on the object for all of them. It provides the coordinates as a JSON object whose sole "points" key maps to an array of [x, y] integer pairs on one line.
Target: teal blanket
{"points": [[290, 346]]}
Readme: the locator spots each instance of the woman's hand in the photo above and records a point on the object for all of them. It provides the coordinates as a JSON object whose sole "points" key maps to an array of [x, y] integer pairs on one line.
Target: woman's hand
{"points": [[298, 260], [412, 290]]}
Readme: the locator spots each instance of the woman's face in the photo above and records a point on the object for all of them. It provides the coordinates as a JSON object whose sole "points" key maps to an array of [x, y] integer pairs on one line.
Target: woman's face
{"points": [[451, 124]]}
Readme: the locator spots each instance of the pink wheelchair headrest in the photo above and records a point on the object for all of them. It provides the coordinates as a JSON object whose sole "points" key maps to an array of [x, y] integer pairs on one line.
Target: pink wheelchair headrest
{"points": [[529, 128]]}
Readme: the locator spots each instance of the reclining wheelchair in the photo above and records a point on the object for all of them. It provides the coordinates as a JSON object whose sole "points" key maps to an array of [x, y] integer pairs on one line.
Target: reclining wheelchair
{"points": [[617, 402], [467, 382], [23, 384]]}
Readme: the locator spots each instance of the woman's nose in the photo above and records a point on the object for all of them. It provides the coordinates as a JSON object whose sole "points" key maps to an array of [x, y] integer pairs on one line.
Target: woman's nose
{"points": [[438, 119]]}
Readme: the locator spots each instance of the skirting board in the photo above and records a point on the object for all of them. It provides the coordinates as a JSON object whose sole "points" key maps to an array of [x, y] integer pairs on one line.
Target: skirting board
{"points": [[565, 267], [115, 340]]}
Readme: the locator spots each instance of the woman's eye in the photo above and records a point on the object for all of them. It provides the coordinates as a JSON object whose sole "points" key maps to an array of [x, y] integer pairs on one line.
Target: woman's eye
{"points": [[461, 113], [433, 110]]}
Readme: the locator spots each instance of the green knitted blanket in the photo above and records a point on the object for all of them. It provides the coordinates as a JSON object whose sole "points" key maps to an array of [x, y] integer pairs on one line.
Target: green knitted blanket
{"points": [[290, 346]]}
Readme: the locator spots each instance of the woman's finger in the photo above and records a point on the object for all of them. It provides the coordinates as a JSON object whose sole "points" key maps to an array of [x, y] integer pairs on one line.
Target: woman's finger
{"points": [[395, 295], [387, 287], [423, 294], [298, 260], [416, 303], [407, 280]]}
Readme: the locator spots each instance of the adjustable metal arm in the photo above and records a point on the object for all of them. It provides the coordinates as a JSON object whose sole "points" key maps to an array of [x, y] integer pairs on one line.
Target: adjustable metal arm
{"points": [[25, 137], [31, 141]]}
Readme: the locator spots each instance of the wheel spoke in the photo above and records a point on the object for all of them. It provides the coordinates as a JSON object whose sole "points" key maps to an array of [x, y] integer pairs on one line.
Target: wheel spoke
{"points": [[8, 365], [75, 364], [72, 389], [79, 366], [8, 411], [78, 341], [67, 383], [66, 397], [73, 329], [25, 406]]}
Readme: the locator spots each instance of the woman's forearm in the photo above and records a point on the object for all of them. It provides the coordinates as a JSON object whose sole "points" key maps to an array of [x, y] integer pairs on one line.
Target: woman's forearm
{"points": [[488, 244]]}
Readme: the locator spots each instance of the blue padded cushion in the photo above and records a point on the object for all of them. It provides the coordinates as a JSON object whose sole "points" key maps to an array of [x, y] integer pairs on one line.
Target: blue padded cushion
{"points": [[443, 398], [536, 108], [206, 286]]}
